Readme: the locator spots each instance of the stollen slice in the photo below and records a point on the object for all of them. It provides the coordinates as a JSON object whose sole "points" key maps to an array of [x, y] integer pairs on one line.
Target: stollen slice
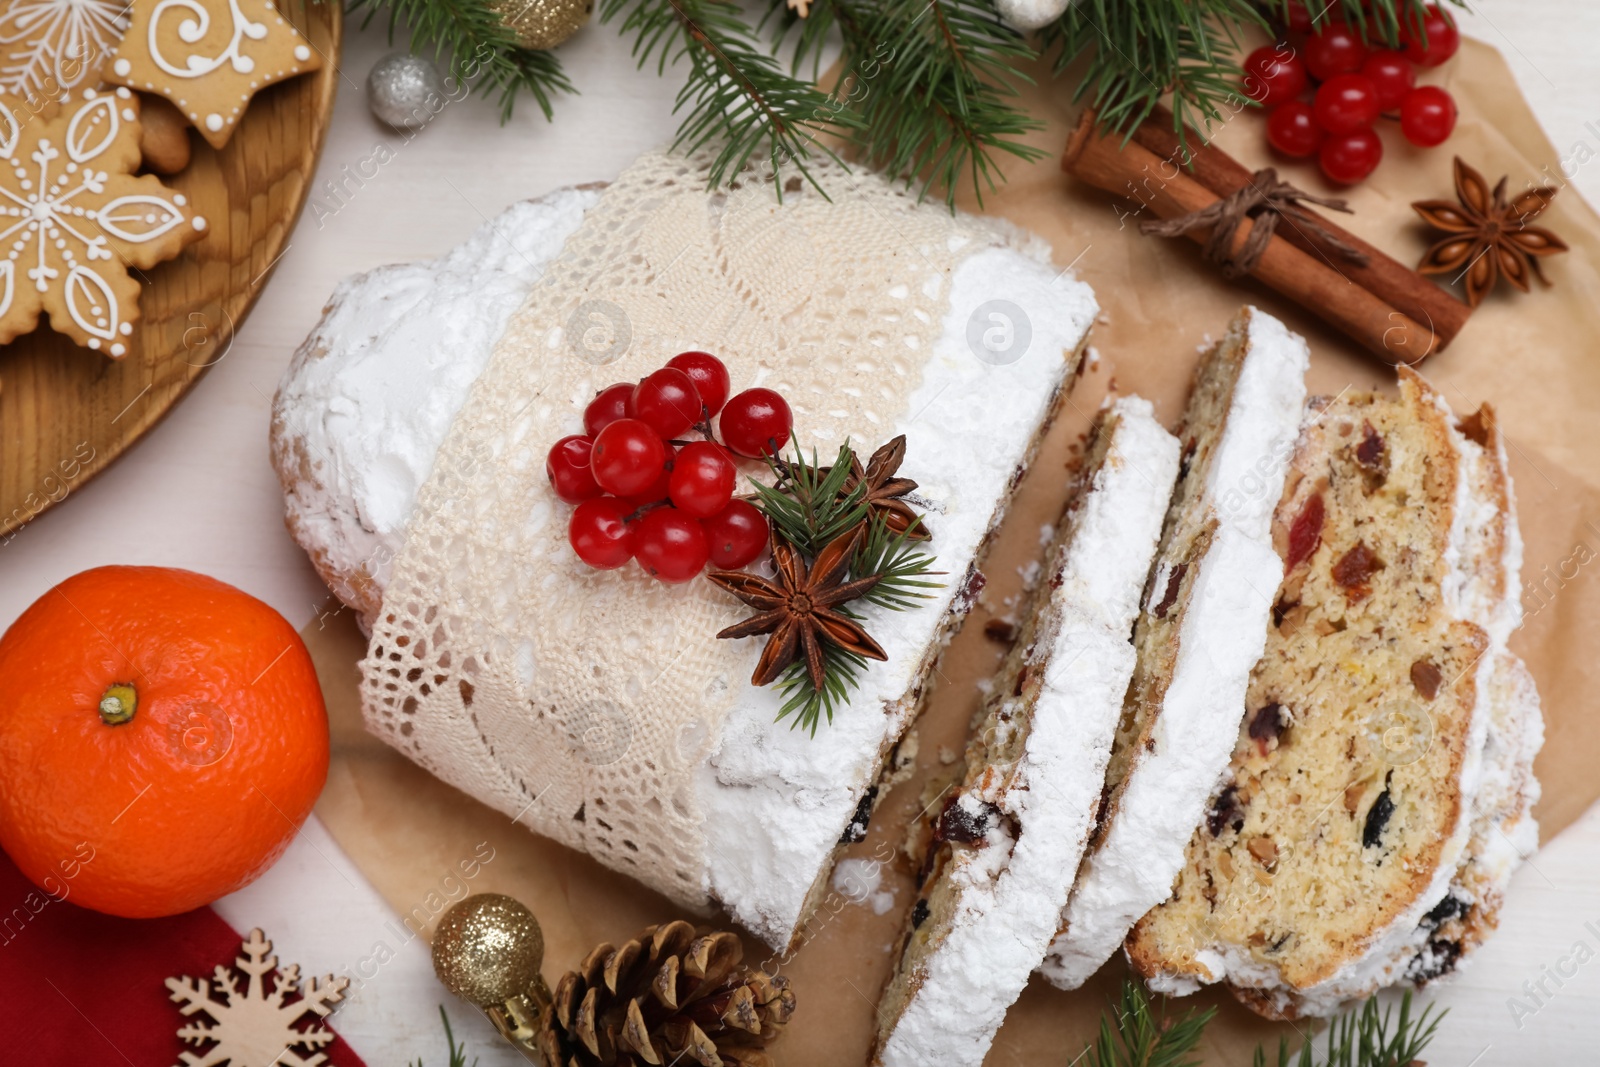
{"points": [[1205, 609], [1005, 844], [1366, 827]]}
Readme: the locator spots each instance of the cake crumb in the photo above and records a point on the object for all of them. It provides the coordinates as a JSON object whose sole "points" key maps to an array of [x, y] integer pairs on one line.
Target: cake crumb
{"points": [[860, 881], [947, 755]]}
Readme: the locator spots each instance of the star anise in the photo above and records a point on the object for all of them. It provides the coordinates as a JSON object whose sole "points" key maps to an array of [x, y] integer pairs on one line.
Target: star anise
{"points": [[1488, 236], [884, 490], [797, 608]]}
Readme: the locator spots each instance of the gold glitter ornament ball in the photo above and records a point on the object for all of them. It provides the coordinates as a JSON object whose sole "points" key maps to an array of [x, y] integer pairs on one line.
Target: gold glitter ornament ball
{"points": [[488, 949], [543, 24]]}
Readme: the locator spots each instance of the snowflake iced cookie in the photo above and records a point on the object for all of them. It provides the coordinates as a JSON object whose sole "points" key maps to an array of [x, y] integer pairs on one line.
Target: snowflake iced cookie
{"points": [[209, 57], [74, 220], [49, 47], [255, 1024]]}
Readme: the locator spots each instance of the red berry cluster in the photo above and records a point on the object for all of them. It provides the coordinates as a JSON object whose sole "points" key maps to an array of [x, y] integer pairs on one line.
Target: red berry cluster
{"points": [[1352, 86], [642, 493]]}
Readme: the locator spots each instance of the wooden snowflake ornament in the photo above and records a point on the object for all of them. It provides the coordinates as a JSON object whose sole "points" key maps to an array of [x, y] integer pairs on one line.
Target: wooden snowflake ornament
{"points": [[74, 220], [253, 1025], [209, 57]]}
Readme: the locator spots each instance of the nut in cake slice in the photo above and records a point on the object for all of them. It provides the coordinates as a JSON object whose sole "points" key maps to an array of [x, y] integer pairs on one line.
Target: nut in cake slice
{"points": [[1005, 845], [1199, 633], [1366, 826]]}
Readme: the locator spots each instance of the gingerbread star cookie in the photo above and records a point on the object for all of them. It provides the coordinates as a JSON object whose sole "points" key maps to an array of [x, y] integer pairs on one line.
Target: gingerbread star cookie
{"points": [[49, 47], [209, 57], [74, 220]]}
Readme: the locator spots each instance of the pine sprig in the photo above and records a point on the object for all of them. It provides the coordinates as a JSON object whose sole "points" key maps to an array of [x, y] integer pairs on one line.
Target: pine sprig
{"points": [[480, 48], [737, 96], [932, 81], [1362, 1038], [808, 506], [1141, 1035], [458, 1053]]}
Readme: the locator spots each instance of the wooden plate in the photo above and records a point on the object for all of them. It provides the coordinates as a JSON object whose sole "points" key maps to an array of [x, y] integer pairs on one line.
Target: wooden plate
{"points": [[67, 412]]}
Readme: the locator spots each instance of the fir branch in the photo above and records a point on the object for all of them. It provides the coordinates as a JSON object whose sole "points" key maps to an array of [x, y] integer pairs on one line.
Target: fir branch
{"points": [[808, 506], [933, 81], [737, 95], [480, 47], [458, 1053], [802, 699], [1142, 1036], [900, 567], [1362, 1038]]}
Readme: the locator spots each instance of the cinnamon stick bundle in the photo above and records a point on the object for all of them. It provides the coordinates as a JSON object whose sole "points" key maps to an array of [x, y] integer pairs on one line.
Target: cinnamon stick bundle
{"points": [[1387, 308]]}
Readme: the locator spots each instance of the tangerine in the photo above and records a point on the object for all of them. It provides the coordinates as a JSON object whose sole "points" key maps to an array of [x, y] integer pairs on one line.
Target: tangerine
{"points": [[162, 738]]}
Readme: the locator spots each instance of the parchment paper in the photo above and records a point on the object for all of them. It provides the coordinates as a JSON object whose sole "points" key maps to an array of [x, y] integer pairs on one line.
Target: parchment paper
{"points": [[1531, 355]]}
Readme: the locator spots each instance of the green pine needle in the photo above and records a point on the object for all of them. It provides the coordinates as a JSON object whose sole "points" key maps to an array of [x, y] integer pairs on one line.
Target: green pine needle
{"points": [[1142, 1036], [480, 47], [458, 1053], [808, 506], [900, 566], [737, 98], [1362, 1038]]}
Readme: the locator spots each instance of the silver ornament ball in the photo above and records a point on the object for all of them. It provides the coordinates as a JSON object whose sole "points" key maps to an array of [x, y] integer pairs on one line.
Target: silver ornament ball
{"points": [[404, 90]]}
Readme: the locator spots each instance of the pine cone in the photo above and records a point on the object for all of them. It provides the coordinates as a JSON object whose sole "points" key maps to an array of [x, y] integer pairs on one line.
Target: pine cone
{"points": [[672, 995]]}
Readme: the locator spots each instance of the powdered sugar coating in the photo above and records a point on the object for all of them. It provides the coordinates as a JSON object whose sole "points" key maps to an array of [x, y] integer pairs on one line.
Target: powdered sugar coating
{"points": [[777, 800], [1220, 639], [1010, 893]]}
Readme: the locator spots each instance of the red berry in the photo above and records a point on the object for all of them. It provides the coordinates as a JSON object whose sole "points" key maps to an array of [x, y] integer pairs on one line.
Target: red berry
{"points": [[755, 422], [736, 534], [599, 533], [627, 458], [670, 545], [1350, 157], [1437, 41], [709, 376], [1427, 116], [1292, 129], [1346, 103], [1273, 74], [609, 404], [1392, 75], [666, 401], [567, 467], [656, 491], [702, 479], [1298, 18], [1335, 49]]}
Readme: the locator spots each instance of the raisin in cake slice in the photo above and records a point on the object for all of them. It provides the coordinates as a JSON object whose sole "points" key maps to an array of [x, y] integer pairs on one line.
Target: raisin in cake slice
{"points": [[992, 893], [1357, 838], [1206, 605]]}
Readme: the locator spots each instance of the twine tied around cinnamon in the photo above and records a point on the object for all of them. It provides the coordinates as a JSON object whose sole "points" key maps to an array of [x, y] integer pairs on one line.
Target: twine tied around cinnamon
{"points": [[1263, 200]]}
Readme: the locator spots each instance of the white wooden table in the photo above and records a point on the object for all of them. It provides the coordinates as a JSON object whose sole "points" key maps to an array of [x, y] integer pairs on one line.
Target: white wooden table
{"points": [[199, 493]]}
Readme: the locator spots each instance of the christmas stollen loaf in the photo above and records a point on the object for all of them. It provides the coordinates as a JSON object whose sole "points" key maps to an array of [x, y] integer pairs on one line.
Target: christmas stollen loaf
{"points": [[1200, 630], [1002, 848], [1380, 789], [597, 708]]}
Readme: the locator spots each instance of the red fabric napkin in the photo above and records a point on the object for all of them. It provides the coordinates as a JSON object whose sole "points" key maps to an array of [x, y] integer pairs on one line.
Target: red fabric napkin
{"points": [[78, 987]]}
